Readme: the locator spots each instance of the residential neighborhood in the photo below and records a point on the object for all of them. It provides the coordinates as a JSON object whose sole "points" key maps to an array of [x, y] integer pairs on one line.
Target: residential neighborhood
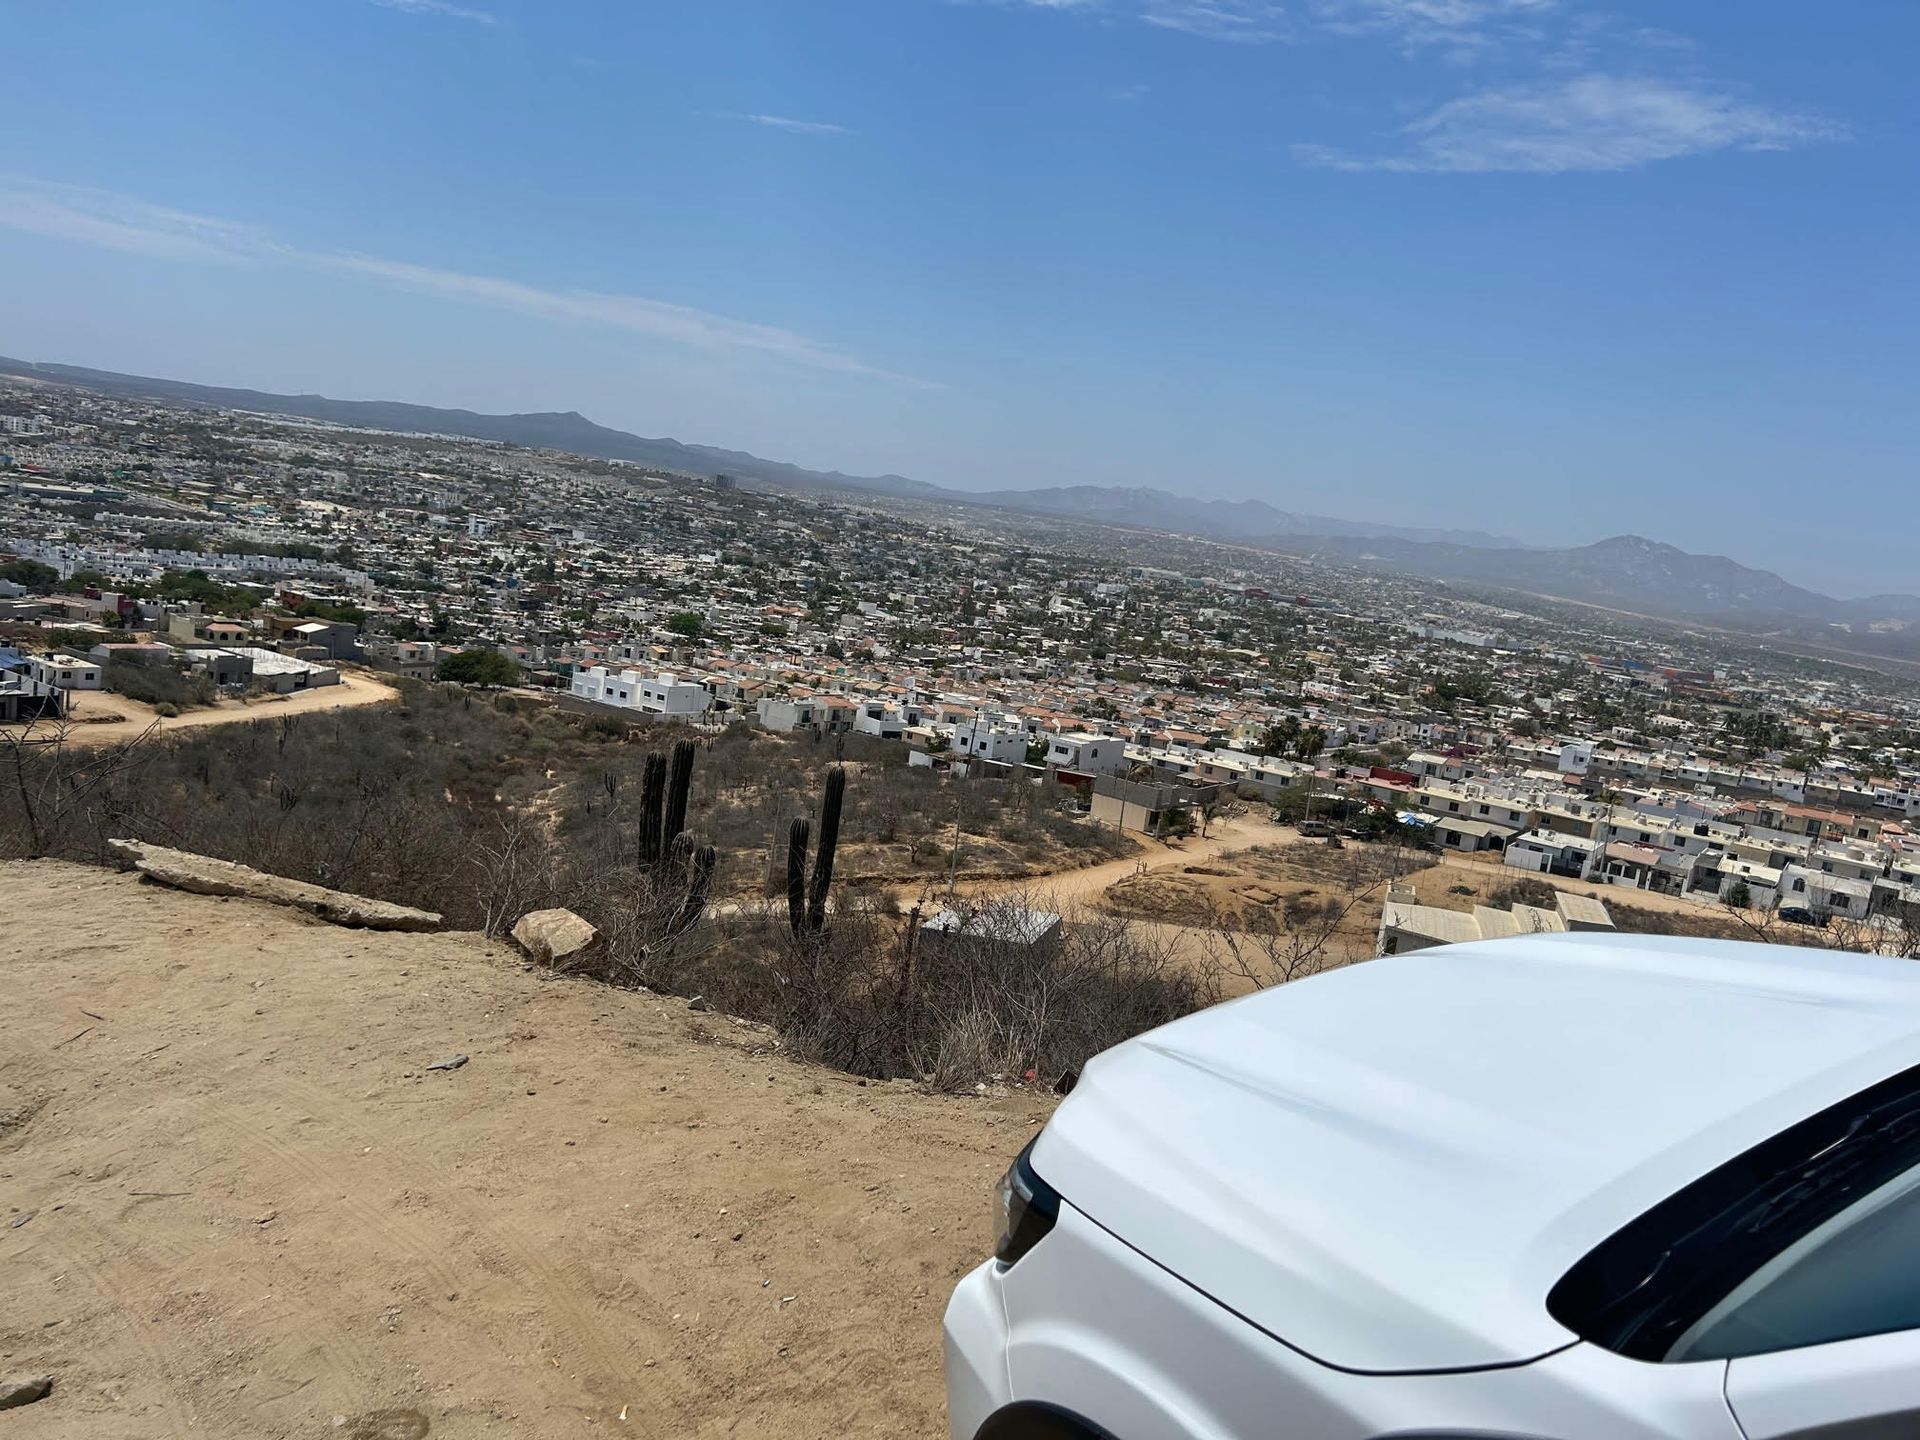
{"points": [[186, 558]]}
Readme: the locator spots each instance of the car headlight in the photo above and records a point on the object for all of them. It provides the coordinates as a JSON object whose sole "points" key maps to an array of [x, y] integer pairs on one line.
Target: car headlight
{"points": [[1028, 1208]]}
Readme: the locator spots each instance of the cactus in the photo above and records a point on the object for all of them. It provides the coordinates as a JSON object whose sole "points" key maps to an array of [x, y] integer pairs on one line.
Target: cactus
{"points": [[665, 847], [699, 862], [807, 899], [679, 786], [653, 789], [798, 835], [664, 788]]}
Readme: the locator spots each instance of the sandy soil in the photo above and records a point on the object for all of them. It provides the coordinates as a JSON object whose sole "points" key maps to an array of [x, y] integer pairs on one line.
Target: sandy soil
{"points": [[91, 707], [252, 1210]]}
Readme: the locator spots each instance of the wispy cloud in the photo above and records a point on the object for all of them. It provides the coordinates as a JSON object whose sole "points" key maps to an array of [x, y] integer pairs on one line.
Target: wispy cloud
{"points": [[1594, 122], [1462, 27], [1253, 22], [445, 9], [795, 127], [1240, 22], [119, 222]]}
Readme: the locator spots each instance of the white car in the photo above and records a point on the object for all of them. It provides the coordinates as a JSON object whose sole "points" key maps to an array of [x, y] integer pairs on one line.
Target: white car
{"points": [[1580, 1187]]}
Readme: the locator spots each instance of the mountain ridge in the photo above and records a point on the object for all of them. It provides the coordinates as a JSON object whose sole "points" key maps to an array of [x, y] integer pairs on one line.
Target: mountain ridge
{"points": [[571, 431], [1628, 572]]}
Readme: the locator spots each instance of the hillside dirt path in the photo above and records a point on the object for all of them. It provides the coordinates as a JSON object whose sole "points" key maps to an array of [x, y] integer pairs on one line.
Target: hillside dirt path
{"points": [[135, 718], [1085, 886], [251, 1209]]}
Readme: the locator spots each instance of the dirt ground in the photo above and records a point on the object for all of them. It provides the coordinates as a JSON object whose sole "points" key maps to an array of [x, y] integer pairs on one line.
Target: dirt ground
{"points": [[102, 718], [235, 1203], [1181, 896], [1635, 910]]}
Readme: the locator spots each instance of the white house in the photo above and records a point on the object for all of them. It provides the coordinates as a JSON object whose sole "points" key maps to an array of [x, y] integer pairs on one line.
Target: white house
{"points": [[1547, 852], [1826, 894], [63, 672], [1088, 754], [1001, 746], [783, 714], [651, 695]]}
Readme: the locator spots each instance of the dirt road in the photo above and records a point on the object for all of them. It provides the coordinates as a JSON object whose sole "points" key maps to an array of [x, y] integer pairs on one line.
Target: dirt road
{"points": [[135, 718], [1078, 892], [251, 1208], [1084, 886]]}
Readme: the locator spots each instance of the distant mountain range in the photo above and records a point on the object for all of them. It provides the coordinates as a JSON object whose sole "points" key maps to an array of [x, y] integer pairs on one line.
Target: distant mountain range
{"points": [[1627, 572], [573, 432]]}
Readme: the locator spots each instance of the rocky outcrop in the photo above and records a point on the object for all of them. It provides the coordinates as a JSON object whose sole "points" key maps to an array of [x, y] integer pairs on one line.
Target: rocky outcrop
{"points": [[554, 937], [204, 875]]}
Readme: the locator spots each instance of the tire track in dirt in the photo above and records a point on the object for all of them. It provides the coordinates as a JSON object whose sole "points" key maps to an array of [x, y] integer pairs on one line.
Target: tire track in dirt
{"points": [[123, 1314], [612, 1368], [344, 1357]]}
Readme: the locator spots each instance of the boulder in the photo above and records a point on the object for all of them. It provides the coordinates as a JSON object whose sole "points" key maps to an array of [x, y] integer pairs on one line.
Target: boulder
{"points": [[24, 1392], [554, 937], [203, 875]]}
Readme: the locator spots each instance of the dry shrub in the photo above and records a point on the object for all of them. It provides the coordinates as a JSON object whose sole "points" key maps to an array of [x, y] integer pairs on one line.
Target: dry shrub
{"points": [[483, 808]]}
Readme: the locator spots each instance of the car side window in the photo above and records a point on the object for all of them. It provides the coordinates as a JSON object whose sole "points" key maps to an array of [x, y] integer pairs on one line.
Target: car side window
{"points": [[1858, 1274]]}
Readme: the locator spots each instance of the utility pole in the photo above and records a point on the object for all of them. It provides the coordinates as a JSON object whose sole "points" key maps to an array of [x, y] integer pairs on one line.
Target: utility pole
{"points": [[953, 863]]}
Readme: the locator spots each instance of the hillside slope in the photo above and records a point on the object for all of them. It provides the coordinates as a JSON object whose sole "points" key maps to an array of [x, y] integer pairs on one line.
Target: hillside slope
{"points": [[253, 1211]]}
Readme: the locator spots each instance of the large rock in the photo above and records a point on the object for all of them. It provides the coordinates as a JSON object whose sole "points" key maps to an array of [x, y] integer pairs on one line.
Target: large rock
{"points": [[206, 876], [554, 937], [24, 1392]]}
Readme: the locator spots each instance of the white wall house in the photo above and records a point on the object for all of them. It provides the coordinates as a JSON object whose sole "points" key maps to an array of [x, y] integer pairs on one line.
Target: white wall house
{"points": [[1001, 746], [884, 721], [1088, 754], [783, 714], [1545, 852], [64, 672], [632, 690]]}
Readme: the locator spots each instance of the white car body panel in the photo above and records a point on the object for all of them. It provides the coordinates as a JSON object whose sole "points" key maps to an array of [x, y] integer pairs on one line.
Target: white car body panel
{"points": [[1873, 1381], [1107, 1335], [1389, 1166]]}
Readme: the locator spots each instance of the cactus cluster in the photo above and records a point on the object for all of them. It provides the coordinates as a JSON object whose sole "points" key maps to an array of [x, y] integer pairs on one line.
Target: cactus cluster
{"points": [[807, 898], [665, 848]]}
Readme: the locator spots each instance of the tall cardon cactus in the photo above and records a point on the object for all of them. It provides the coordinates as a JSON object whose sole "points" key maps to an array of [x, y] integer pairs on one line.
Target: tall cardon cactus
{"points": [[664, 847], [807, 898]]}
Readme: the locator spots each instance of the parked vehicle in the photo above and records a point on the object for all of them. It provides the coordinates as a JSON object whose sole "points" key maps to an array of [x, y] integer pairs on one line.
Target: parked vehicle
{"points": [[1315, 829], [1570, 1187], [1801, 915]]}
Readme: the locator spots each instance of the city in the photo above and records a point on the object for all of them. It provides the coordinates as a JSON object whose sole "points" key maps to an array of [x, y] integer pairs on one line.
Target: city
{"points": [[236, 552]]}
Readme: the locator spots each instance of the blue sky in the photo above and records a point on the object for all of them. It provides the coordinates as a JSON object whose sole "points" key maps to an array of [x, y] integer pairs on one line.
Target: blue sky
{"points": [[1552, 268]]}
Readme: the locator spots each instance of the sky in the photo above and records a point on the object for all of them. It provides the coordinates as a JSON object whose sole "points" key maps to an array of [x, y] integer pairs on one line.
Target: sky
{"points": [[1555, 269]]}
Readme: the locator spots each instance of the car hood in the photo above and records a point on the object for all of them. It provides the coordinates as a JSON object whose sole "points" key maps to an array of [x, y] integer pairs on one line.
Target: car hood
{"points": [[1388, 1167]]}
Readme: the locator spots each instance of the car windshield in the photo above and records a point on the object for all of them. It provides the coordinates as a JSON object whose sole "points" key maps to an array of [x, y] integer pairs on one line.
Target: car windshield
{"points": [[1811, 1236], [1852, 1276]]}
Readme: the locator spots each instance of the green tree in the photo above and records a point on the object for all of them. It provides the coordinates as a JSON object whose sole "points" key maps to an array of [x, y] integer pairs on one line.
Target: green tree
{"points": [[30, 573], [687, 623], [479, 667], [1311, 742], [1280, 737]]}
